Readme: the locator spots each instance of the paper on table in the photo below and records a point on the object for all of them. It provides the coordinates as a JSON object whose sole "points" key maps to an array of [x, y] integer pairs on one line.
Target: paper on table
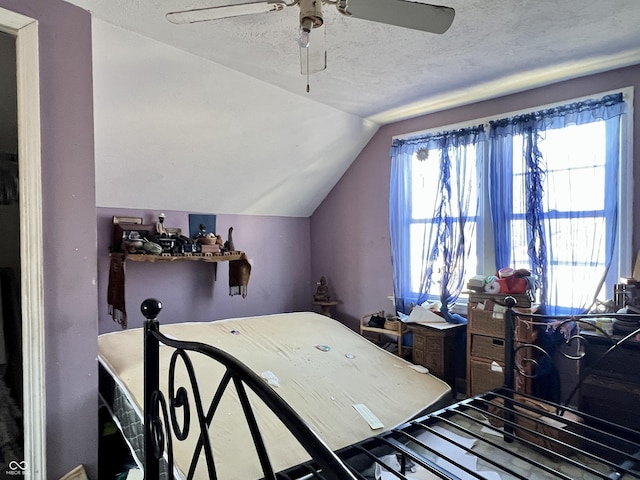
{"points": [[423, 315]]}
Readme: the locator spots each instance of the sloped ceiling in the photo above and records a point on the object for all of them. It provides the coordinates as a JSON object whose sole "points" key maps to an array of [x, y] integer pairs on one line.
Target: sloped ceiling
{"points": [[214, 117]]}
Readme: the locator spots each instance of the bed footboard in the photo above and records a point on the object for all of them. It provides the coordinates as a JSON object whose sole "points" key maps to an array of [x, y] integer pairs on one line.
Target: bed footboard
{"points": [[524, 358], [510, 434], [162, 426]]}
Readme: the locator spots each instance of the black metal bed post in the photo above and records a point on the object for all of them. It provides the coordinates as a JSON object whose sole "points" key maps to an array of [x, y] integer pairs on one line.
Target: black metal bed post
{"points": [[509, 363], [150, 309]]}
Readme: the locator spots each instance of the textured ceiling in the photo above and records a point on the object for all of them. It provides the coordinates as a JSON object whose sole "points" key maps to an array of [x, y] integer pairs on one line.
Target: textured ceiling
{"points": [[214, 117], [375, 70]]}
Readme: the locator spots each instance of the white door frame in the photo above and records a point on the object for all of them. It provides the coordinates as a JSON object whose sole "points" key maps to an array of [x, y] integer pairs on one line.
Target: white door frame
{"points": [[25, 30]]}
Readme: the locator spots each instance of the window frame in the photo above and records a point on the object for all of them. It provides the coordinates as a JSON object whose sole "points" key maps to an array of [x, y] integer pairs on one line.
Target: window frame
{"points": [[623, 256]]}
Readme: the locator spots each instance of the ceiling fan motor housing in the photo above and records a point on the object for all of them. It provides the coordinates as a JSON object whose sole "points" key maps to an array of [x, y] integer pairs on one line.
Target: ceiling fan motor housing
{"points": [[311, 14]]}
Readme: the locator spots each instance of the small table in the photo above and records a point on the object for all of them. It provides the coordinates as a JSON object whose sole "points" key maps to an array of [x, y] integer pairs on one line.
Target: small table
{"points": [[325, 307], [398, 332]]}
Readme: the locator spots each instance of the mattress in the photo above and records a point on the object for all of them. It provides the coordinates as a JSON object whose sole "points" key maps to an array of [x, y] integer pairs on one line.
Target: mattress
{"points": [[321, 368]]}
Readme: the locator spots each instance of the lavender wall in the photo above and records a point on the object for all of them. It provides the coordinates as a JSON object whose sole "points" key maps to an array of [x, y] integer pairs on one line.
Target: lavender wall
{"points": [[70, 295], [348, 234], [350, 229], [277, 248]]}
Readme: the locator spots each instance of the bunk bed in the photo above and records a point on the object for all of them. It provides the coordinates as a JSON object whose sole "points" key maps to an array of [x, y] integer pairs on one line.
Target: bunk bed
{"points": [[502, 434]]}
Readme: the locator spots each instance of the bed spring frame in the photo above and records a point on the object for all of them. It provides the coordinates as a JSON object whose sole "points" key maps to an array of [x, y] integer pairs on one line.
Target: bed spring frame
{"points": [[572, 444]]}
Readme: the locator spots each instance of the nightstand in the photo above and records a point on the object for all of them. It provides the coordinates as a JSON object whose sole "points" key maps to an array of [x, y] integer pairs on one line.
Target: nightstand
{"points": [[434, 348]]}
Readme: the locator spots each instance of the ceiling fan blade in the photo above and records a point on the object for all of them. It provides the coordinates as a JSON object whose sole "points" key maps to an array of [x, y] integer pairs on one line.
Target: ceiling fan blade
{"points": [[402, 13], [217, 13]]}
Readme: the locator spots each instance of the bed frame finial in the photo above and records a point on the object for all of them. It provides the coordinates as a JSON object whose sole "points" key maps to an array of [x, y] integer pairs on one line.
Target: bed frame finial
{"points": [[151, 308]]}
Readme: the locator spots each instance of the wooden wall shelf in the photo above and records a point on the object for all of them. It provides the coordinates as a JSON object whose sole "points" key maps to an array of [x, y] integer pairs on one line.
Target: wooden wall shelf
{"points": [[195, 257], [239, 271]]}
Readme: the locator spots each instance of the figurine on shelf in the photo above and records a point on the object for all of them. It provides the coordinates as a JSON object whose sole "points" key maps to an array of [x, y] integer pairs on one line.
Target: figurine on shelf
{"points": [[228, 245], [322, 292], [161, 231]]}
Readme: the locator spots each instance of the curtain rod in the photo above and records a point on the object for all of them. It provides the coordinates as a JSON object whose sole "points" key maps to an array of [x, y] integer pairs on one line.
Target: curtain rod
{"points": [[627, 96]]}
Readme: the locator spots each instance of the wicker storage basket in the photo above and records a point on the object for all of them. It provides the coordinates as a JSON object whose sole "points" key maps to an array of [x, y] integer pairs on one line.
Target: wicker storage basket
{"points": [[207, 240], [483, 377], [492, 324], [491, 348], [486, 323], [393, 324]]}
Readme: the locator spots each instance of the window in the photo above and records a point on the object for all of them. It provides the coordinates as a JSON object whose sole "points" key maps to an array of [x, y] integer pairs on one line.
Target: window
{"points": [[425, 195], [541, 191], [574, 208]]}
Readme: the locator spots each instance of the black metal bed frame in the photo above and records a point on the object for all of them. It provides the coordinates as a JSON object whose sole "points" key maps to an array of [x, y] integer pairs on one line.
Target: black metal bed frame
{"points": [[594, 447]]}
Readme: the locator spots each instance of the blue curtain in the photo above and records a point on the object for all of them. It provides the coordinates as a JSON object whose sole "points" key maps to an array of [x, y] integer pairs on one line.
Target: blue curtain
{"points": [[501, 196], [446, 236], [539, 227]]}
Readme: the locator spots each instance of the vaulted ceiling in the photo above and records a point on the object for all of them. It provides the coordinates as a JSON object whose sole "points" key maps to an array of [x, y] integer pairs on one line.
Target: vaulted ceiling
{"points": [[215, 116]]}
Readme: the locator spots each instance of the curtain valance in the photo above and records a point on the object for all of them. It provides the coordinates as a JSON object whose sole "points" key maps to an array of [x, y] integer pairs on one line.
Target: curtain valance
{"points": [[576, 113], [452, 138]]}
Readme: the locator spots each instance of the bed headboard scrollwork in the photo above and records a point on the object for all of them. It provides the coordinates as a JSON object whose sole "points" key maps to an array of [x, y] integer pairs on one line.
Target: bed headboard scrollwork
{"points": [[525, 358], [168, 418]]}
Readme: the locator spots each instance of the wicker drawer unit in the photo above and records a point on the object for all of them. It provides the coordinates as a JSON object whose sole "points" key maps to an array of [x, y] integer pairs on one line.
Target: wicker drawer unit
{"points": [[486, 342], [434, 348]]}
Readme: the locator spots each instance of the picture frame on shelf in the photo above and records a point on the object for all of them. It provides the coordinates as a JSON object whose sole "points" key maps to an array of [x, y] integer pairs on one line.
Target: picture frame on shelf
{"points": [[122, 231], [133, 220], [196, 219]]}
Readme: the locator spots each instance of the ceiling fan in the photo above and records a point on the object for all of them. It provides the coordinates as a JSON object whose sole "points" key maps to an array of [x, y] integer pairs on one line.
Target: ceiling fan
{"points": [[402, 13]]}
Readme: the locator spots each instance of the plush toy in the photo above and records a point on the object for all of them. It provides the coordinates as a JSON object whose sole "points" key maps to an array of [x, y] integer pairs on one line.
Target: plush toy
{"points": [[513, 281], [492, 285], [508, 281]]}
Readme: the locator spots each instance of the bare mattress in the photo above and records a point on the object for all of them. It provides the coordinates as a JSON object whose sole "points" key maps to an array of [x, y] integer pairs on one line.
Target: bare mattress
{"points": [[323, 369]]}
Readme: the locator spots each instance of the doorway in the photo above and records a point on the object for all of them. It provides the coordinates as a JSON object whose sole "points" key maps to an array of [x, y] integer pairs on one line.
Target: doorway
{"points": [[31, 299], [10, 311]]}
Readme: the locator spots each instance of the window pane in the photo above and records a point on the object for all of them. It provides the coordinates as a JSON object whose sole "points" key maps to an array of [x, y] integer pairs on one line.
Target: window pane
{"points": [[424, 185], [575, 160], [573, 200], [418, 242], [426, 197]]}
